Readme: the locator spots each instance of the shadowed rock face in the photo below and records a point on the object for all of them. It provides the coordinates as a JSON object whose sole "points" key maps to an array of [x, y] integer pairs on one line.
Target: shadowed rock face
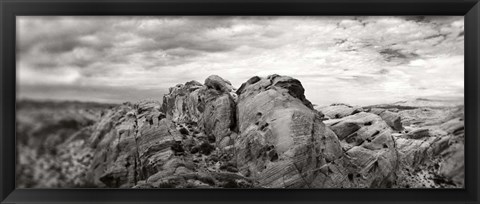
{"points": [[280, 137], [391, 118], [425, 149], [369, 147], [432, 151], [134, 148], [211, 107], [284, 144], [266, 134]]}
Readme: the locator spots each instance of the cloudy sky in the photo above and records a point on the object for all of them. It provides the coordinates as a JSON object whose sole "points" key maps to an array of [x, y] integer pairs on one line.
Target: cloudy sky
{"points": [[355, 60]]}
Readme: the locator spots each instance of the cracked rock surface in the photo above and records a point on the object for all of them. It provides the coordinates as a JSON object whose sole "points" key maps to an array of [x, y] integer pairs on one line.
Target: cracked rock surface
{"points": [[265, 134]]}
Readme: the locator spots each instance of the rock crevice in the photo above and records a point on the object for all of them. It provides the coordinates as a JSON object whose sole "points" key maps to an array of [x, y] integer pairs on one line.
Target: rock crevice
{"points": [[266, 134]]}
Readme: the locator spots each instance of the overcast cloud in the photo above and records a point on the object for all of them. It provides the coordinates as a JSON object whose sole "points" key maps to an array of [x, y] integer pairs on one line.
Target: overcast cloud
{"points": [[355, 60]]}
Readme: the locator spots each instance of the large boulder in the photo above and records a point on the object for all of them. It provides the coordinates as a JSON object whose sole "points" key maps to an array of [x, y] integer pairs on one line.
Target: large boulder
{"points": [[281, 140], [418, 133], [339, 110], [393, 119], [364, 129], [183, 102], [218, 83], [369, 147], [454, 126], [292, 86], [218, 118], [284, 144], [210, 106]]}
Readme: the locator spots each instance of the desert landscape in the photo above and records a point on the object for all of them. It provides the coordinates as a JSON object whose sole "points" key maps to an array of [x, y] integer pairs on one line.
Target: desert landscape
{"points": [[263, 134]]}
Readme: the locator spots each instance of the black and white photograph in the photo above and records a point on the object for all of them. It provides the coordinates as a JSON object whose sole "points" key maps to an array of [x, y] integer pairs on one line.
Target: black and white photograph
{"points": [[297, 102]]}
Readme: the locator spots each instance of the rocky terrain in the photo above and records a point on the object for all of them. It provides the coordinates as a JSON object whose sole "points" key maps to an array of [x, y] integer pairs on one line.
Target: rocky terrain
{"points": [[265, 134]]}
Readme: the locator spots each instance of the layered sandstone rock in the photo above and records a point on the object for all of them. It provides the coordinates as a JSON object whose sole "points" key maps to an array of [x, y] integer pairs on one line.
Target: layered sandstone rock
{"points": [[339, 110], [433, 156], [210, 106], [266, 134], [280, 140], [134, 146], [283, 142], [391, 118], [369, 148]]}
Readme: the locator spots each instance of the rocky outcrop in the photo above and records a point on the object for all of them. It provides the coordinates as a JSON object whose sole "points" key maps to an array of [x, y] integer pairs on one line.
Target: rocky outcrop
{"points": [[391, 118], [210, 106], [217, 83], [339, 110], [266, 134], [418, 133], [368, 144], [50, 138], [281, 139], [432, 156], [132, 147], [283, 142], [430, 162], [292, 86]]}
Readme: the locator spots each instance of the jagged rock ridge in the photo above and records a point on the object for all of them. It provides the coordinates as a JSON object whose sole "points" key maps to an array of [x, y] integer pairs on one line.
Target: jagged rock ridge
{"points": [[266, 134]]}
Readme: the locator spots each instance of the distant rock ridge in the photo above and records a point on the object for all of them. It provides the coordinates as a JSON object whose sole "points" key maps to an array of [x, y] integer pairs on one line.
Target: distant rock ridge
{"points": [[265, 134], [429, 102]]}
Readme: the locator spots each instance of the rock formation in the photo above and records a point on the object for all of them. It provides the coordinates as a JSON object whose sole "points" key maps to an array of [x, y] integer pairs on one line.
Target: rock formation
{"points": [[266, 134], [339, 110]]}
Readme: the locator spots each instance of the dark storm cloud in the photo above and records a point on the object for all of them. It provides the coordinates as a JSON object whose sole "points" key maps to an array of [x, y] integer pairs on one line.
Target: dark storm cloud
{"points": [[191, 44], [55, 33], [116, 41], [59, 46], [396, 54], [98, 57], [183, 52]]}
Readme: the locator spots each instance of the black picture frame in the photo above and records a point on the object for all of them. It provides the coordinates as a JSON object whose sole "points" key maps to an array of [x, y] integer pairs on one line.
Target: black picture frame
{"points": [[9, 9]]}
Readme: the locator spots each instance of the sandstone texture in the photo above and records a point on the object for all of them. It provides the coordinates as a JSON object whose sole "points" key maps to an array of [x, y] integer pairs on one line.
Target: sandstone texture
{"points": [[265, 134]]}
